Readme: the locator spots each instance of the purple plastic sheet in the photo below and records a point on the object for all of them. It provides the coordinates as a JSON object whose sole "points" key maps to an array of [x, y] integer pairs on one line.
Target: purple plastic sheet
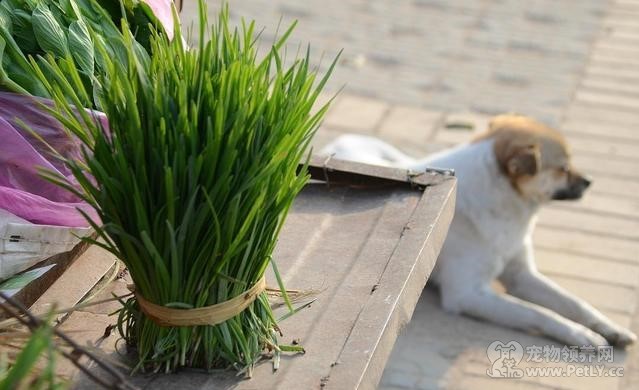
{"points": [[23, 191]]}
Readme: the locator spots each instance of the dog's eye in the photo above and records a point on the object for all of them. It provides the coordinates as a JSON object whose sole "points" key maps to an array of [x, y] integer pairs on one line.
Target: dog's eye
{"points": [[563, 170]]}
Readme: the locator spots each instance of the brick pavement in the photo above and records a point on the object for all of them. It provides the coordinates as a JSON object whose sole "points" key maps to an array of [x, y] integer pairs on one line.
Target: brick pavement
{"points": [[418, 72], [487, 56]]}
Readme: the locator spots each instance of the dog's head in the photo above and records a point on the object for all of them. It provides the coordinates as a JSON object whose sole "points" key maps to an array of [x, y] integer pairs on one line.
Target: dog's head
{"points": [[535, 158]]}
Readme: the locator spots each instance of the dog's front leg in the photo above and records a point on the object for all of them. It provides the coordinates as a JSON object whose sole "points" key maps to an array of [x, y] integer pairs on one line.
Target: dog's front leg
{"points": [[512, 312], [522, 280]]}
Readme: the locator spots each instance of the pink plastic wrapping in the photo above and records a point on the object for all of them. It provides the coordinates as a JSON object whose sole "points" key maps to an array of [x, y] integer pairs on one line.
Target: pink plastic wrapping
{"points": [[23, 191], [162, 9]]}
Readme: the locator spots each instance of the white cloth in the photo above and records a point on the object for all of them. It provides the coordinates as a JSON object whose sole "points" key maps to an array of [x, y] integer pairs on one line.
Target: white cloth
{"points": [[24, 244]]}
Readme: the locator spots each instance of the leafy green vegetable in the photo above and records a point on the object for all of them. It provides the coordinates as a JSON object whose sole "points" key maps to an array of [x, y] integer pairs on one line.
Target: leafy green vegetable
{"points": [[194, 179], [60, 28], [81, 46], [48, 32]]}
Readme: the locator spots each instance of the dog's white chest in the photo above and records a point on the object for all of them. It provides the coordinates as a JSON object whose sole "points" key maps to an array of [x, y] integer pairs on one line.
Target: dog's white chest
{"points": [[491, 221], [506, 236]]}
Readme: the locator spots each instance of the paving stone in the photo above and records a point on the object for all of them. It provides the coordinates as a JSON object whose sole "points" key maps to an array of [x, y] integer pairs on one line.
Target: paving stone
{"points": [[624, 188], [409, 124], [410, 35], [605, 147], [602, 59], [620, 12], [623, 169], [623, 74], [622, 206], [624, 251], [608, 86], [483, 382], [627, 7], [421, 151], [617, 53], [623, 39], [603, 296], [355, 113], [88, 330], [628, 50], [324, 98], [453, 136], [461, 127], [624, 320], [323, 137], [597, 223], [620, 33], [620, 26], [577, 383], [478, 122], [400, 379], [613, 113], [590, 269], [476, 370], [602, 115], [591, 126], [608, 100]]}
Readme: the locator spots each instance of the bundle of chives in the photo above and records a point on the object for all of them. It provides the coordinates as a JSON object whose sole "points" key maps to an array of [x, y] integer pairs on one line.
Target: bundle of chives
{"points": [[193, 181]]}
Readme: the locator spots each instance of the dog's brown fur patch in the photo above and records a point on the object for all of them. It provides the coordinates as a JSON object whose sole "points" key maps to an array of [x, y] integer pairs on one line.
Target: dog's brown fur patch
{"points": [[523, 147]]}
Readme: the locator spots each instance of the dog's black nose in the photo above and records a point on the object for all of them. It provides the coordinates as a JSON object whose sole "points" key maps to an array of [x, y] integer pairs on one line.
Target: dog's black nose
{"points": [[585, 182]]}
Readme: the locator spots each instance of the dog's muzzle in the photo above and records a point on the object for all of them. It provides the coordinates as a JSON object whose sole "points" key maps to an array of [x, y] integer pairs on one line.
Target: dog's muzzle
{"points": [[575, 190]]}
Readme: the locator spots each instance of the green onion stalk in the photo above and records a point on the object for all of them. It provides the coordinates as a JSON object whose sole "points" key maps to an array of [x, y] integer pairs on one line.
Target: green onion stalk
{"points": [[193, 180]]}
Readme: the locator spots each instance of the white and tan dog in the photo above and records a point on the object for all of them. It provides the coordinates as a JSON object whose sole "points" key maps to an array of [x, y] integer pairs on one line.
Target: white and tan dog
{"points": [[504, 176]]}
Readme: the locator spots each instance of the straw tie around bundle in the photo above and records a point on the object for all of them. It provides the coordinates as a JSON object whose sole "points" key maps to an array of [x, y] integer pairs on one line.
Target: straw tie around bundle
{"points": [[207, 315]]}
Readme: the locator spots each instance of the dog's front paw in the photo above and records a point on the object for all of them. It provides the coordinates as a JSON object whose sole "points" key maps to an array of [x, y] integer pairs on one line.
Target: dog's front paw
{"points": [[584, 336], [615, 334], [619, 337]]}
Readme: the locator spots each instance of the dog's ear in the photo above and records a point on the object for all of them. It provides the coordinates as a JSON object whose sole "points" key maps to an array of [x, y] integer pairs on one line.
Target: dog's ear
{"points": [[523, 161], [517, 157]]}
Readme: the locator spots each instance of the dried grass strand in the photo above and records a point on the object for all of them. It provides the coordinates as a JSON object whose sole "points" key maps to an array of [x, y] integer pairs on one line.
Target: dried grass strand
{"points": [[206, 315]]}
